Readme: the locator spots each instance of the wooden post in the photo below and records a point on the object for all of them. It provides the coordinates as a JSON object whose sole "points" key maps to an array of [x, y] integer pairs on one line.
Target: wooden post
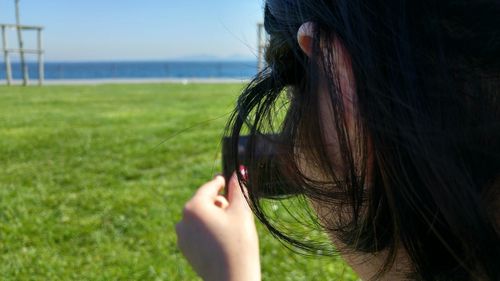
{"points": [[8, 70], [41, 68], [260, 62], [24, 67]]}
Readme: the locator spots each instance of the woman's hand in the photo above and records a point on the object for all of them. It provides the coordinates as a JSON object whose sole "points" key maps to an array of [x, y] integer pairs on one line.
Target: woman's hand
{"points": [[218, 236]]}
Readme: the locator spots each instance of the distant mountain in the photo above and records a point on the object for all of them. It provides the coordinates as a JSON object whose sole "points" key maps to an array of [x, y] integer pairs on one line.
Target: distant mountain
{"points": [[210, 58], [192, 58]]}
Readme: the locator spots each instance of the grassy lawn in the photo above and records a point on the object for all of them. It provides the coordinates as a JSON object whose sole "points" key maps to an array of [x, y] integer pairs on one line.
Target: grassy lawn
{"points": [[93, 180]]}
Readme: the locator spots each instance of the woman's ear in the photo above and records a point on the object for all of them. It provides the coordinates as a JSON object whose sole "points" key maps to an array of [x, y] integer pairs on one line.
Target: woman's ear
{"points": [[305, 37]]}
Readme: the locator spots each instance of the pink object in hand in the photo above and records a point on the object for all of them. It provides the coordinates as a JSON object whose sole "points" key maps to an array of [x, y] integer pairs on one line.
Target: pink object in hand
{"points": [[244, 172]]}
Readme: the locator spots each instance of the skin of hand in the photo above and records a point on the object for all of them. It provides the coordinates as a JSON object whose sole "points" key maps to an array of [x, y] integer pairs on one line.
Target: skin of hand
{"points": [[217, 235]]}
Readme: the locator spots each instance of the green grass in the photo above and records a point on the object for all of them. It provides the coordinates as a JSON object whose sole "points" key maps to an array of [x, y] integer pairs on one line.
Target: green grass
{"points": [[93, 180]]}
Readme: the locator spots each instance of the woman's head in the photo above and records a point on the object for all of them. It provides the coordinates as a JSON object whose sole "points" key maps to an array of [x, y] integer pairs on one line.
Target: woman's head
{"points": [[392, 124]]}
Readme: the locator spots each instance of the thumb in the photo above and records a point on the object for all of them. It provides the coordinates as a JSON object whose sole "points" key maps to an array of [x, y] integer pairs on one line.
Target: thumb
{"points": [[237, 200]]}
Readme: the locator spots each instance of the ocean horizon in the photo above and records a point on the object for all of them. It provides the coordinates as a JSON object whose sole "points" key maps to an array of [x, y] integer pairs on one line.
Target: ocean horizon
{"points": [[105, 70]]}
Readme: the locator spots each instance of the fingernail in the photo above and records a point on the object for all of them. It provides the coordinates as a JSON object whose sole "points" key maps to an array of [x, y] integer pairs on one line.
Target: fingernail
{"points": [[217, 175], [244, 172]]}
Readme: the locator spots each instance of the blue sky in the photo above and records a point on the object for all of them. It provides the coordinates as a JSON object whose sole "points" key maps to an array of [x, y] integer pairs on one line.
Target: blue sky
{"points": [[89, 30]]}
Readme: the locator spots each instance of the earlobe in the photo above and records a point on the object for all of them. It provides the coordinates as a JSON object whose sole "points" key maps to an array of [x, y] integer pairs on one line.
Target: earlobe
{"points": [[305, 37]]}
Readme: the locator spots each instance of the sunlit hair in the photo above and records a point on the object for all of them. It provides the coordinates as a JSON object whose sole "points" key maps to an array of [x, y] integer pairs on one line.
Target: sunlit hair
{"points": [[427, 77]]}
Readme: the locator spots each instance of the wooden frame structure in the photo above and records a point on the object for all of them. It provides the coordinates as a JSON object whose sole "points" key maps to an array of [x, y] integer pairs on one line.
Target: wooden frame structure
{"points": [[21, 50]]}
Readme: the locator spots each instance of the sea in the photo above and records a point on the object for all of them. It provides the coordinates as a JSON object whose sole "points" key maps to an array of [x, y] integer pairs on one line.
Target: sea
{"points": [[137, 70]]}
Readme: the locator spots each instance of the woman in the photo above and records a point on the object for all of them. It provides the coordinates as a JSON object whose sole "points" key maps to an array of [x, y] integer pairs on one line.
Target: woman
{"points": [[391, 135]]}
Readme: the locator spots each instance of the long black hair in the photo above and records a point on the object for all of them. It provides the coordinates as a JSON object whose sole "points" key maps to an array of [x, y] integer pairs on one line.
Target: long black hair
{"points": [[427, 76]]}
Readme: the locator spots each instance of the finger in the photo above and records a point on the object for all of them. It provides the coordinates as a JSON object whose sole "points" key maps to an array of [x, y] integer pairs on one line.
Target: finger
{"points": [[235, 195], [221, 202], [212, 188]]}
